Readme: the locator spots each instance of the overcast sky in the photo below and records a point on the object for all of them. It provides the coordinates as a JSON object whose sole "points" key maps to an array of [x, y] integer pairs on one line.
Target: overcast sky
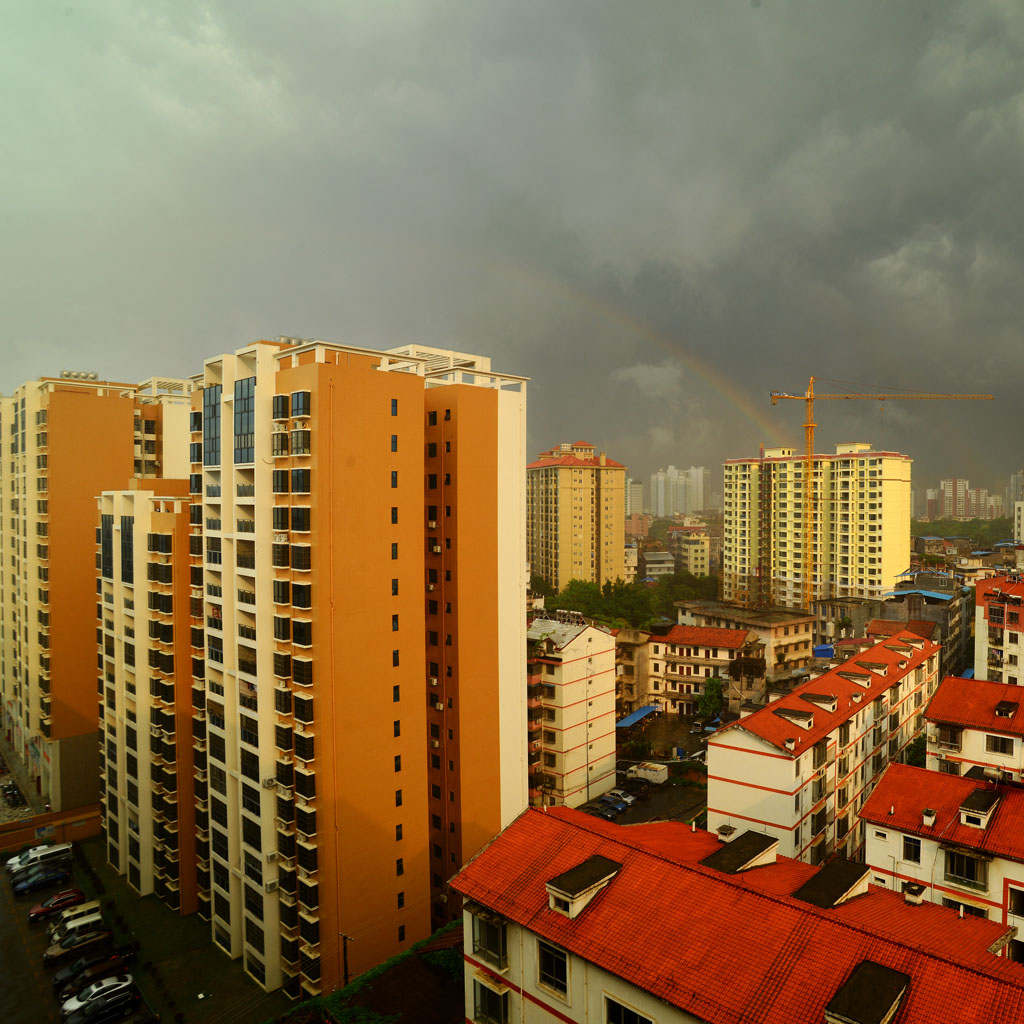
{"points": [[659, 212]]}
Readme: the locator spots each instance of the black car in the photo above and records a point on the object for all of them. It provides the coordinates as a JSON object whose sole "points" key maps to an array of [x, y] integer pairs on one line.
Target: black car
{"points": [[106, 1011], [40, 878], [69, 973], [68, 980]]}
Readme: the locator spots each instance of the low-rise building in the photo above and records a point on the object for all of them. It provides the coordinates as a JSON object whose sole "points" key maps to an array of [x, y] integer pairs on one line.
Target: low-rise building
{"points": [[787, 635], [656, 563], [571, 710], [801, 767], [975, 724], [681, 661], [631, 670], [690, 548], [574, 919], [630, 562], [955, 841], [998, 650]]}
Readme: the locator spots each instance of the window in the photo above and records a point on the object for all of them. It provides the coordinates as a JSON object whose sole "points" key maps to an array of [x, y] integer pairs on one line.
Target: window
{"points": [[394, 442], [431, 419], [394, 478], [399, 866], [300, 519], [394, 658], [554, 967], [489, 941], [394, 551], [394, 588], [394, 623], [245, 419], [394, 406], [963, 869], [398, 762], [401, 900], [616, 1013], [489, 1007], [394, 513], [300, 481], [999, 744], [300, 403], [398, 798], [211, 425], [912, 849], [396, 693], [398, 727], [281, 407]]}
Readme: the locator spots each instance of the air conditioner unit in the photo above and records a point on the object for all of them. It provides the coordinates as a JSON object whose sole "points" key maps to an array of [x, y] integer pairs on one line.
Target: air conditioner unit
{"points": [[436, 548], [280, 538], [269, 783], [271, 856], [432, 523], [431, 586], [271, 886], [433, 680], [435, 743], [439, 706]]}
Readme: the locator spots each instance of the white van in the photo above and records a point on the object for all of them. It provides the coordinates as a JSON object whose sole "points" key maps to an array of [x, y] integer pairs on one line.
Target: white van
{"points": [[73, 913], [39, 855], [79, 926]]}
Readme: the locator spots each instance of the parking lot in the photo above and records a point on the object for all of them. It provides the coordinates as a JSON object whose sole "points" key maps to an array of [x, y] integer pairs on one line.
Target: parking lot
{"points": [[182, 976]]}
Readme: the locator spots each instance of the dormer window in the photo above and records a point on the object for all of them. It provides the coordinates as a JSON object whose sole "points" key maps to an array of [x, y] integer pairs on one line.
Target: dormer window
{"points": [[1006, 709], [976, 811], [570, 892]]}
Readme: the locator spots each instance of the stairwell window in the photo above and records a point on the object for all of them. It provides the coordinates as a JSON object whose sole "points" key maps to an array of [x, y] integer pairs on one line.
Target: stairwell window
{"points": [[553, 967]]}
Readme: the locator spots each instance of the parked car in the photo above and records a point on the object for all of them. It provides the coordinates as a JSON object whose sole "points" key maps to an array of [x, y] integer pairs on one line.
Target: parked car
{"points": [[39, 855], [113, 961], [97, 991], [627, 798], [107, 1010], [617, 805], [40, 878], [72, 914], [75, 945], [57, 903], [599, 810]]}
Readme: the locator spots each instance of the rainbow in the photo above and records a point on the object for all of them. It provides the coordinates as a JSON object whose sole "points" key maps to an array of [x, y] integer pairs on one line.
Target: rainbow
{"points": [[739, 400]]}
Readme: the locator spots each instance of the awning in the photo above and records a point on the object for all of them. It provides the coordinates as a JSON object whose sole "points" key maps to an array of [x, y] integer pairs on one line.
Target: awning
{"points": [[634, 717]]}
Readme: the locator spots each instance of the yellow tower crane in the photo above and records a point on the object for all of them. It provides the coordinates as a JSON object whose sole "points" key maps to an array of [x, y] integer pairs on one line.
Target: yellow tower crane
{"points": [[810, 502]]}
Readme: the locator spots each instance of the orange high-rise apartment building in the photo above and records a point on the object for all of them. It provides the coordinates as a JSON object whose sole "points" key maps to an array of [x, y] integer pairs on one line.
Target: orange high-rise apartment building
{"points": [[63, 441], [358, 645]]}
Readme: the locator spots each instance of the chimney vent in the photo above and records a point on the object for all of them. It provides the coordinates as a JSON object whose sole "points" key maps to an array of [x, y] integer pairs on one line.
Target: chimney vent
{"points": [[928, 817]]}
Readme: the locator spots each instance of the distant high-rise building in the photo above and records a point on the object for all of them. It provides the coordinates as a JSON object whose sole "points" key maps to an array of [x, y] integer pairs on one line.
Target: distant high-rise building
{"points": [[932, 503], [668, 493], [1018, 522], [63, 440], [698, 489], [953, 498], [575, 515], [861, 525], [634, 496]]}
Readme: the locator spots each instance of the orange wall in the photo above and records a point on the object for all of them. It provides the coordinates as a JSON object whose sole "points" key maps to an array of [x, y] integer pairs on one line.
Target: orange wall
{"points": [[472, 623], [90, 450], [353, 673]]}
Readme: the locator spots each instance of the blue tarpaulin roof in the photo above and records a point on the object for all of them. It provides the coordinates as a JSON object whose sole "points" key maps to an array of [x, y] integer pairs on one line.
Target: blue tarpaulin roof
{"points": [[968, 673], [925, 593], [635, 716]]}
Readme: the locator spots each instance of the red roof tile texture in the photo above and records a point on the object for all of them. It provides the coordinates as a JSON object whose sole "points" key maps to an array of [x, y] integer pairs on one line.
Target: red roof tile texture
{"points": [[907, 791], [889, 627], [665, 921], [775, 729], [703, 636], [972, 703]]}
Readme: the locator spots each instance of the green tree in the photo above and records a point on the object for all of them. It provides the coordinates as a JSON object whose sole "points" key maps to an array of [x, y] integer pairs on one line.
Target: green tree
{"points": [[711, 701], [541, 587], [916, 753]]}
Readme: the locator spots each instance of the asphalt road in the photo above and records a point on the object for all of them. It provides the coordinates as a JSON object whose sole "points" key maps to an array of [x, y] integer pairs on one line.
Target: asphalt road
{"points": [[26, 991]]}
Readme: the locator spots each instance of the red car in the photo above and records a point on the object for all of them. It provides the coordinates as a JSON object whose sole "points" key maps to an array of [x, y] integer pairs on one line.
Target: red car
{"points": [[56, 903]]}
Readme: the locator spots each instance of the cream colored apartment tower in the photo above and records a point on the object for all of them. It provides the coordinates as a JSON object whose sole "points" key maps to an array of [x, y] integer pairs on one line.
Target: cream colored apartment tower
{"points": [[571, 718], [576, 520], [63, 440], [861, 525], [359, 561], [149, 817]]}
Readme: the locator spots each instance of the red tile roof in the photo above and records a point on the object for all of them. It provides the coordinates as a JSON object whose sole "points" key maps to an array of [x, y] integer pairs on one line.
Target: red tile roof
{"points": [[889, 627], [666, 924], [574, 460], [908, 791], [972, 703], [775, 729], [704, 636]]}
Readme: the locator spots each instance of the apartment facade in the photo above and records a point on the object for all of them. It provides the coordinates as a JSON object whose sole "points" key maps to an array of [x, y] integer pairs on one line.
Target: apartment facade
{"points": [[358, 655], [575, 515], [575, 920], [681, 661], [975, 725], [691, 549], [63, 440], [860, 530], [801, 768], [632, 679], [787, 636], [998, 650], [150, 814], [571, 718], [953, 841]]}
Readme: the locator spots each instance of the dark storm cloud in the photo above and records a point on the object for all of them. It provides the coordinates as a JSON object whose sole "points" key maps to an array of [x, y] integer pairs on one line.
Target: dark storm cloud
{"points": [[658, 211]]}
